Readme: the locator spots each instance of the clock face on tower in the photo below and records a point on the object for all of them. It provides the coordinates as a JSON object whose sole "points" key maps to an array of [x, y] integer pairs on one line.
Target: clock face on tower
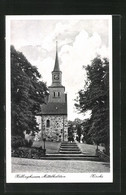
{"points": [[56, 76]]}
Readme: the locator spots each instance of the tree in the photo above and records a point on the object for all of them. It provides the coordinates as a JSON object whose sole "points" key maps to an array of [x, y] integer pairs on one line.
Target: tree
{"points": [[27, 94], [75, 127], [86, 126], [95, 97]]}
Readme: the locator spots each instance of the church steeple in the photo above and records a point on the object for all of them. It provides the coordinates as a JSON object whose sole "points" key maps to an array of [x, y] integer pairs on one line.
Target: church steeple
{"points": [[56, 66], [57, 90], [56, 73]]}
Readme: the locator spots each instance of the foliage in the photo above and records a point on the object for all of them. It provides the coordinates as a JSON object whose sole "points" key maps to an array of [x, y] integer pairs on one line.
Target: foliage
{"points": [[102, 156], [28, 143], [95, 97], [86, 126], [24, 152], [29, 138], [27, 94], [17, 141], [74, 127]]}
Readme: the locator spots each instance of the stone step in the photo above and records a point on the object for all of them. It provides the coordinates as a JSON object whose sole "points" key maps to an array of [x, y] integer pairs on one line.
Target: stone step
{"points": [[64, 145], [69, 152], [68, 143], [73, 143], [70, 158], [71, 155], [71, 149], [69, 146]]}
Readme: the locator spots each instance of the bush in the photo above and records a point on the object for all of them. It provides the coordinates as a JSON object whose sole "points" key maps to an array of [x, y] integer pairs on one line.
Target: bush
{"points": [[28, 143], [28, 138], [17, 141], [102, 156], [25, 152]]}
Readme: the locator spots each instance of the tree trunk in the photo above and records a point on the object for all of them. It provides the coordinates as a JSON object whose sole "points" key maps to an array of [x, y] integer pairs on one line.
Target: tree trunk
{"points": [[107, 149]]}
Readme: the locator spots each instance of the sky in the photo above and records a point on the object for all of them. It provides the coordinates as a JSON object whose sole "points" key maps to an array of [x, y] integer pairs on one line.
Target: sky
{"points": [[80, 39]]}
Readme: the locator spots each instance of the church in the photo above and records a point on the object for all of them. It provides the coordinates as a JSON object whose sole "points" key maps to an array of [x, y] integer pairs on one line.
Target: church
{"points": [[54, 124]]}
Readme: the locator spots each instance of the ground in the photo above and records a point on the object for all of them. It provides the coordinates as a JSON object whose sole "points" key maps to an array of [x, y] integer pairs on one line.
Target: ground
{"points": [[88, 148], [58, 166], [53, 147]]}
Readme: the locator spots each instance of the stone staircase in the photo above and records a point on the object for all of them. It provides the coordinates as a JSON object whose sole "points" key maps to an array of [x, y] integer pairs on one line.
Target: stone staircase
{"points": [[69, 148], [70, 151]]}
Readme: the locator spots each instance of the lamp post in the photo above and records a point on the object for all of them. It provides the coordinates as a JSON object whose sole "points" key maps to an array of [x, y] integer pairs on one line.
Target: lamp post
{"points": [[63, 128], [44, 139]]}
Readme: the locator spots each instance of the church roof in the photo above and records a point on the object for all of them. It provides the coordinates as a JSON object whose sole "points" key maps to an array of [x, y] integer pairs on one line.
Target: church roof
{"points": [[54, 108], [56, 66]]}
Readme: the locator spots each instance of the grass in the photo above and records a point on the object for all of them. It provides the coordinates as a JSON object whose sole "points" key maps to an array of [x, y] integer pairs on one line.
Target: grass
{"points": [[88, 148], [58, 166], [51, 147]]}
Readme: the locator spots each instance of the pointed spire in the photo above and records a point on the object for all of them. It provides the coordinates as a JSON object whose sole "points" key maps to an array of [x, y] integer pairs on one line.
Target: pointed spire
{"points": [[56, 66]]}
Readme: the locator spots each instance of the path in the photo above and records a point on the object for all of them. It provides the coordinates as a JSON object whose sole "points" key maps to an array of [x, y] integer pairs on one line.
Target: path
{"points": [[46, 166]]}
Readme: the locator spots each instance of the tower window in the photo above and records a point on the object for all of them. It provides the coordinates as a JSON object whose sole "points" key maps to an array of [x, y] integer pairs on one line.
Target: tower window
{"points": [[48, 123], [58, 94], [54, 94]]}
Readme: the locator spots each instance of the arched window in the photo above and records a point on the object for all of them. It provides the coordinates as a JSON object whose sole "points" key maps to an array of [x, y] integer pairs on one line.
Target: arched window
{"points": [[54, 94], [48, 123], [58, 94]]}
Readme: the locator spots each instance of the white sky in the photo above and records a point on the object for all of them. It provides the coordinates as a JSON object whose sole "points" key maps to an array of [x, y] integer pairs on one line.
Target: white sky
{"points": [[79, 41]]}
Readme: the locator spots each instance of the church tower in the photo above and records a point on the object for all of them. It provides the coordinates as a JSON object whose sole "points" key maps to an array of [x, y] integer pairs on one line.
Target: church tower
{"points": [[54, 114], [56, 90]]}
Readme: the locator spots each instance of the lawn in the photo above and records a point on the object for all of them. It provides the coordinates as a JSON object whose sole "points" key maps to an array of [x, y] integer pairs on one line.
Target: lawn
{"points": [[51, 147], [88, 148], [20, 165]]}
